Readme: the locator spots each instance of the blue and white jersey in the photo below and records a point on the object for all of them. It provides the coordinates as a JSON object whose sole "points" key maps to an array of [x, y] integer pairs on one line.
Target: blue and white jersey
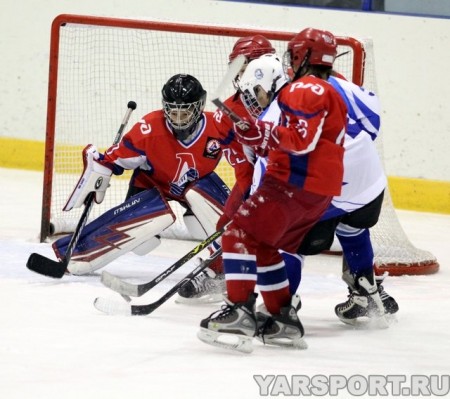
{"points": [[270, 114], [363, 107], [364, 177]]}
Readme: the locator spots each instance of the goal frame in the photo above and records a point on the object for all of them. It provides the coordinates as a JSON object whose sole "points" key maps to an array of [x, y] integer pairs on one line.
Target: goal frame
{"points": [[61, 20], [362, 66]]}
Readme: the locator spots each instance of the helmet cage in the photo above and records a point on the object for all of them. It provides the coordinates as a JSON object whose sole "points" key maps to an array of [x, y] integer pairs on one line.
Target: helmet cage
{"points": [[183, 118], [251, 103], [267, 73]]}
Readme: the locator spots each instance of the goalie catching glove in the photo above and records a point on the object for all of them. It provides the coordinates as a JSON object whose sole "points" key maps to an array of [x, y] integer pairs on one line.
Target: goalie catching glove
{"points": [[95, 178], [260, 135]]}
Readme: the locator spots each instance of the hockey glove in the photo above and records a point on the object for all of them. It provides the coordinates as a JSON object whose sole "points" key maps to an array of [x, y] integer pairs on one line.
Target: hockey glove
{"points": [[95, 178], [258, 134], [177, 188]]}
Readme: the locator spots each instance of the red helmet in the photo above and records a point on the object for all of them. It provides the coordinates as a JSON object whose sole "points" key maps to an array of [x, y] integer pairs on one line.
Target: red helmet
{"points": [[312, 46], [252, 47]]}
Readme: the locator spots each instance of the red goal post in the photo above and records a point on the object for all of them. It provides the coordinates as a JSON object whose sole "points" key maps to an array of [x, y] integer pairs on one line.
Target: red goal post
{"points": [[98, 64]]}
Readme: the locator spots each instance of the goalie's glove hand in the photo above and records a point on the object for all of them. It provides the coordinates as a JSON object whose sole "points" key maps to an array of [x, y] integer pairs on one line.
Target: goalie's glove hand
{"points": [[95, 178], [260, 135], [177, 188]]}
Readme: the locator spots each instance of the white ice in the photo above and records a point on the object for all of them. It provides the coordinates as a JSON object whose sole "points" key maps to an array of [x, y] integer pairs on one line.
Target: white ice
{"points": [[55, 344]]}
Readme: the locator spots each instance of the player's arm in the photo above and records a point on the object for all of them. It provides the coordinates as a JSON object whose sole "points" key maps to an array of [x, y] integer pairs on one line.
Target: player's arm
{"points": [[128, 154], [310, 104]]}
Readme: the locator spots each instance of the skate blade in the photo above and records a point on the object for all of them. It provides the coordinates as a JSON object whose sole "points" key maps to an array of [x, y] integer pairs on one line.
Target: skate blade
{"points": [[296, 343], [236, 342], [205, 299]]}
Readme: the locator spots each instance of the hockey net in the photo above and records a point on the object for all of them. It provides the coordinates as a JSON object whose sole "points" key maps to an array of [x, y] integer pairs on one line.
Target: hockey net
{"points": [[98, 64]]}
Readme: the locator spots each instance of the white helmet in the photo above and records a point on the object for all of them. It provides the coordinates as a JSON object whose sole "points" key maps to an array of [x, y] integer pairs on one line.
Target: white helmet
{"points": [[265, 72]]}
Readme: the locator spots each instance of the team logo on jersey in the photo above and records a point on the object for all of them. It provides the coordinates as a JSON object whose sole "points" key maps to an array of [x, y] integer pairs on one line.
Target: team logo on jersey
{"points": [[212, 148]]}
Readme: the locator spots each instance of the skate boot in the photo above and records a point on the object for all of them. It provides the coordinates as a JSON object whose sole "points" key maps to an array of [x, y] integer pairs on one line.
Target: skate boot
{"points": [[284, 329], [364, 305], [389, 303], [232, 327], [206, 287]]}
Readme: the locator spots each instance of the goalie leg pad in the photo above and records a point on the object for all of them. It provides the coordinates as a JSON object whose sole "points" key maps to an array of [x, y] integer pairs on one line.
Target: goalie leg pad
{"points": [[206, 199], [118, 231], [147, 246]]}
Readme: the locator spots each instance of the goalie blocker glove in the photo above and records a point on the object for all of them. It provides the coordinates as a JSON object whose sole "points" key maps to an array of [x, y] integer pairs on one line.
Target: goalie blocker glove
{"points": [[95, 178], [261, 135]]}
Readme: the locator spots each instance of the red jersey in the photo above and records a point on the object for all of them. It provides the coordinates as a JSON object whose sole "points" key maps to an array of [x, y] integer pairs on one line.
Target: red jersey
{"points": [[159, 159], [237, 155], [311, 133]]}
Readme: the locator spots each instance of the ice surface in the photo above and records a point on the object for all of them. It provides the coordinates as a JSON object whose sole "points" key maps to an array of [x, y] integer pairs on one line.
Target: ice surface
{"points": [[55, 344]]}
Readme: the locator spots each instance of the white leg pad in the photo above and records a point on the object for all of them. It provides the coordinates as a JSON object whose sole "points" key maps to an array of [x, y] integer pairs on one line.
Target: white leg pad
{"points": [[196, 230], [206, 211], [147, 246]]}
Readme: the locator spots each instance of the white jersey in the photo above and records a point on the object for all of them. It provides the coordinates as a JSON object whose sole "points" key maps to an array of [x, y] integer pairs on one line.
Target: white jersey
{"points": [[364, 177]]}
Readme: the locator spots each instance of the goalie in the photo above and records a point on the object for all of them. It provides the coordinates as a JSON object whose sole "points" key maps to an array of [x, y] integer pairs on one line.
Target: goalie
{"points": [[173, 152]]}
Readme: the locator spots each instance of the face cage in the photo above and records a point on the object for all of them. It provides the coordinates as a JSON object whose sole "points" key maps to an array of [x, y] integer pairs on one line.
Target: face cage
{"points": [[251, 103], [183, 126], [287, 66]]}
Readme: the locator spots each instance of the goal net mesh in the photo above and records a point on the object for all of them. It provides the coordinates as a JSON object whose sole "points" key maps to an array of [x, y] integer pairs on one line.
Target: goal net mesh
{"points": [[97, 65]]}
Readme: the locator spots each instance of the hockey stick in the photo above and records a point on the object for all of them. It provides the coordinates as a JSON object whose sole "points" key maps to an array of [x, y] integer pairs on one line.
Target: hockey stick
{"points": [[233, 69], [121, 308], [56, 269], [128, 289]]}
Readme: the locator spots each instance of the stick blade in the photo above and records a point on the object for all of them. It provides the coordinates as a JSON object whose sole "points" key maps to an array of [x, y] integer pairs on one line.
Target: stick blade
{"points": [[233, 69], [116, 284], [112, 307], [45, 266]]}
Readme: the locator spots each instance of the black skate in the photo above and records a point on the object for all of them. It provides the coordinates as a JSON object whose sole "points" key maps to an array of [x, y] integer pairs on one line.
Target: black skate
{"points": [[364, 305], [389, 303], [207, 287], [284, 329], [232, 327]]}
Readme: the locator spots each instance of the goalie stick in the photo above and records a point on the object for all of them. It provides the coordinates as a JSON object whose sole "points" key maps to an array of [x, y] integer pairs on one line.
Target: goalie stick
{"points": [[112, 307], [136, 290], [56, 269]]}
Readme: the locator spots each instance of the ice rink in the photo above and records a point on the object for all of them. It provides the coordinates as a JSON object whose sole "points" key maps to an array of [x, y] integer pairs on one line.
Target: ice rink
{"points": [[55, 344]]}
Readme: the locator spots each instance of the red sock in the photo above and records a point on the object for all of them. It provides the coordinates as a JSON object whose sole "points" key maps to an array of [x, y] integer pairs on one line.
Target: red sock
{"points": [[275, 300]]}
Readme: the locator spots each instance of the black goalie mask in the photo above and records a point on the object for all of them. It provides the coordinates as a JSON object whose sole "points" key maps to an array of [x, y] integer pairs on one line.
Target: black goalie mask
{"points": [[183, 100]]}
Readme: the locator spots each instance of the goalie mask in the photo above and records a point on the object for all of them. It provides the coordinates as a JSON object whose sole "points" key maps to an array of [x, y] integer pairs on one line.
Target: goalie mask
{"points": [[310, 47], [261, 81], [183, 100]]}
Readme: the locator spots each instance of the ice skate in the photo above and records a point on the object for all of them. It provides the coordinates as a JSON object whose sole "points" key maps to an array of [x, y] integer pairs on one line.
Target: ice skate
{"points": [[232, 327], [389, 303], [284, 329], [207, 287], [364, 305]]}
